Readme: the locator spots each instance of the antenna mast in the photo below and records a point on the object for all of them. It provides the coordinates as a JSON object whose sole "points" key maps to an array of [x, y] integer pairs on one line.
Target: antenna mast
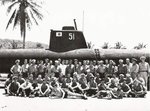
{"points": [[75, 24]]}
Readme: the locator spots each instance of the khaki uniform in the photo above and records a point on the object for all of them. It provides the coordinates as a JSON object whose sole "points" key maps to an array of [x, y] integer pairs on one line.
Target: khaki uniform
{"points": [[144, 69]]}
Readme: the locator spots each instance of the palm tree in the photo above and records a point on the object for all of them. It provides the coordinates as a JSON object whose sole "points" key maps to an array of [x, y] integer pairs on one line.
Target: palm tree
{"points": [[24, 12], [90, 45], [105, 45], [119, 45], [140, 46]]}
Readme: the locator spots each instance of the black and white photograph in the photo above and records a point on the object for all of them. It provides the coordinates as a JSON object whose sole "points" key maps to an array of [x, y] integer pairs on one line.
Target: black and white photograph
{"points": [[74, 55]]}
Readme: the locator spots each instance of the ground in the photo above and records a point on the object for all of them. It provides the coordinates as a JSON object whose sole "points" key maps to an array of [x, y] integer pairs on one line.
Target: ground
{"points": [[92, 104]]}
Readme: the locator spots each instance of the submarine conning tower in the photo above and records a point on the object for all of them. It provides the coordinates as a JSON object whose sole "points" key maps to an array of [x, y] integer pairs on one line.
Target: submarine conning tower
{"points": [[67, 39]]}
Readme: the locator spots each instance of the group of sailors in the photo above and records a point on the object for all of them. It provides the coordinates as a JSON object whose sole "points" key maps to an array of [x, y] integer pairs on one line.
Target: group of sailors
{"points": [[76, 79]]}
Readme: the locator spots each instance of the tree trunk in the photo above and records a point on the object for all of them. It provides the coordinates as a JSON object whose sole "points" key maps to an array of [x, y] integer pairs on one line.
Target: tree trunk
{"points": [[24, 41]]}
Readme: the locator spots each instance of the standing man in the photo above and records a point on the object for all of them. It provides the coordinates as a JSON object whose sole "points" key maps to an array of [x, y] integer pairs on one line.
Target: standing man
{"points": [[25, 69], [122, 69], [128, 65], [16, 69], [144, 69], [32, 69], [134, 69], [56, 70], [101, 69]]}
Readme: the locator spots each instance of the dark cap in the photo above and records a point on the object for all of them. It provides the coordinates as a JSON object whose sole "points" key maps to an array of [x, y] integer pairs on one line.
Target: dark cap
{"points": [[133, 59]]}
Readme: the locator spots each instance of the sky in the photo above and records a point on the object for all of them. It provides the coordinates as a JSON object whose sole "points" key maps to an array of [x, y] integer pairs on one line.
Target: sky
{"points": [[126, 21]]}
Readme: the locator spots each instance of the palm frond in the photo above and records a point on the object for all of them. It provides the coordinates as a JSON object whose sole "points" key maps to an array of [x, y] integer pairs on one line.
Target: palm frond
{"points": [[33, 18], [11, 6], [17, 19], [36, 11], [11, 19], [35, 4], [3, 2]]}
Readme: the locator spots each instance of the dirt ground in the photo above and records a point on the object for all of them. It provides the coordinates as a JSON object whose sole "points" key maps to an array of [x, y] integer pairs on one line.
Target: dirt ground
{"points": [[92, 104]]}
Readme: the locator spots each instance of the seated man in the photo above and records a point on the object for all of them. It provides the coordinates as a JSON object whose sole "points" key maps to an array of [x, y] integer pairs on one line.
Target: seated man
{"points": [[103, 91], [92, 87], [26, 88], [35, 89], [137, 89], [121, 78], [13, 87], [44, 89], [75, 86], [83, 83], [107, 79], [129, 80], [115, 89], [125, 88]]}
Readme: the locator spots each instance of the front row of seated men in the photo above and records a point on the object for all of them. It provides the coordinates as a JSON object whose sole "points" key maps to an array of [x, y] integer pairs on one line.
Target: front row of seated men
{"points": [[76, 87]]}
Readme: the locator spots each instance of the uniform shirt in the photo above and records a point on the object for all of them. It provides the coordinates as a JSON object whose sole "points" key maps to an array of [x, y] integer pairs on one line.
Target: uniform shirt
{"points": [[25, 68], [101, 69], [26, 85], [32, 69], [69, 70], [125, 87], [16, 69], [134, 68], [56, 69], [137, 88], [92, 85], [84, 69], [49, 69], [129, 66], [14, 86], [122, 69], [110, 69], [144, 67], [92, 69], [41, 68], [83, 83], [44, 87]]}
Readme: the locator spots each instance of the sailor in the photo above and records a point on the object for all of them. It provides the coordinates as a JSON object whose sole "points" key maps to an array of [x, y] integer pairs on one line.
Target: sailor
{"points": [[110, 68], [137, 89], [125, 88], [92, 87], [16, 69], [32, 69], [49, 69], [101, 69], [26, 88], [25, 69], [84, 67], [128, 65], [134, 69], [122, 69], [44, 89], [144, 69], [56, 70], [13, 87], [70, 69], [41, 69]]}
